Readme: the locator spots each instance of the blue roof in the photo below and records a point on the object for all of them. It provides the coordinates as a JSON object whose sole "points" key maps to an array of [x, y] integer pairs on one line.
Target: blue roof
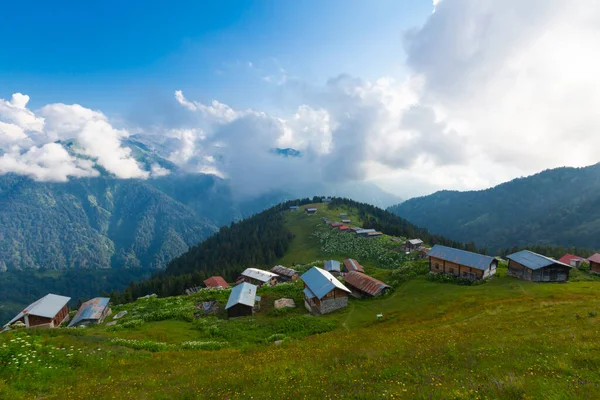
{"points": [[533, 260], [90, 310], [332, 265], [321, 282], [462, 257], [244, 293], [308, 293]]}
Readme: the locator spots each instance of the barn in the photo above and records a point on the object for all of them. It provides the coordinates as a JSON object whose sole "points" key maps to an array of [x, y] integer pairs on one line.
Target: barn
{"points": [[259, 277], [285, 273], [323, 293], [535, 267], [413, 244], [48, 312], [364, 285], [216, 282], [310, 210], [594, 263], [242, 300], [461, 263], [353, 265], [333, 267], [91, 312]]}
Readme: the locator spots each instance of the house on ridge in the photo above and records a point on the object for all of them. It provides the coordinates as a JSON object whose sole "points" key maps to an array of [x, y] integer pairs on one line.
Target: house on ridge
{"points": [[363, 285], [310, 210], [572, 260], [285, 273], [259, 277], [351, 265], [294, 208], [48, 312], [364, 232], [413, 244], [333, 267], [535, 267], [216, 282], [594, 263], [461, 263], [242, 300], [323, 293], [91, 312]]}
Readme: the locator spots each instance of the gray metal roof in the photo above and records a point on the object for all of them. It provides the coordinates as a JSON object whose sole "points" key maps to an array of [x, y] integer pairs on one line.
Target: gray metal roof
{"points": [[332, 265], [362, 231], [321, 282], [415, 241], [90, 310], [533, 260], [259, 274], [462, 257], [47, 307], [244, 293]]}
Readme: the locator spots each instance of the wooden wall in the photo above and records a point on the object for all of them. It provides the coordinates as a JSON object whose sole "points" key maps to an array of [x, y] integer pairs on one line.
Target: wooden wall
{"points": [[595, 267], [437, 265]]}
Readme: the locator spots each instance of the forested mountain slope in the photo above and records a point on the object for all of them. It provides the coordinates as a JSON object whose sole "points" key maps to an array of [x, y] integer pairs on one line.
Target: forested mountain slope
{"points": [[557, 207]]}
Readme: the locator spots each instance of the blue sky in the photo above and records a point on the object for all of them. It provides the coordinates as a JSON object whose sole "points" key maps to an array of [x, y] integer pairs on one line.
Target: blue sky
{"points": [[109, 55]]}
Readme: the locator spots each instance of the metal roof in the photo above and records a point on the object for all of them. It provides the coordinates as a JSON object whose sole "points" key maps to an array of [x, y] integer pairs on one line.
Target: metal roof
{"points": [[353, 265], [321, 282], [363, 231], [415, 241], [259, 274], [284, 271], [567, 258], [533, 260], [244, 293], [375, 233], [90, 310], [336, 224], [47, 307], [216, 282], [365, 283], [595, 258], [344, 228], [332, 265], [308, 293], [462, 257]]}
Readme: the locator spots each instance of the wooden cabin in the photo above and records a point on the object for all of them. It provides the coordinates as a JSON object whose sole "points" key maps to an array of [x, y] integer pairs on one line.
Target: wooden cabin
{"points": [[461, 263], [333, 267], [259, 277], [91, 312], [413, 244], [323, 293], [242, 300], [48, 312], [294, 208], [363, 285], [572, 260], [285, 274], [594, 263], [310, 210], [535, 267], [353, 265]]}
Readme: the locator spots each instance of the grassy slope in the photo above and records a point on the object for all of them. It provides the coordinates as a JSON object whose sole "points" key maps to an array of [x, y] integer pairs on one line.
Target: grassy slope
{"points": [[504, 339]]}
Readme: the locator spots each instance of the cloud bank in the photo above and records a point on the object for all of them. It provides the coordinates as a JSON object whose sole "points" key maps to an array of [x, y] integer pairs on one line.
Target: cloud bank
{"points": [[496, 89]]}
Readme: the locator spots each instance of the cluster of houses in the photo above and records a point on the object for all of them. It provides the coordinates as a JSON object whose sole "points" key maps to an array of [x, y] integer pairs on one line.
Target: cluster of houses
{"points": [[53, 310], [344, 226]]}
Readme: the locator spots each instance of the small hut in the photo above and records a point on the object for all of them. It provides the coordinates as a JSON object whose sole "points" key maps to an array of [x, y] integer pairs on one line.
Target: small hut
{"points": [[91, 312], [365, 286], [48, 312], [323, 293], [242, 300], [535, 267]]}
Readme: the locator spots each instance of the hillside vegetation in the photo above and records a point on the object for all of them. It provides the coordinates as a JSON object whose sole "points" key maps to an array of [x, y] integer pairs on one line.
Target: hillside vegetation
{"points": [[555, 207]]}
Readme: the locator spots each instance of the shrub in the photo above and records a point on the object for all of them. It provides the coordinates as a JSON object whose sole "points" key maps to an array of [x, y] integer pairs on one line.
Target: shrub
{"points": [[140, 344], [195, 345], [132, 323]]}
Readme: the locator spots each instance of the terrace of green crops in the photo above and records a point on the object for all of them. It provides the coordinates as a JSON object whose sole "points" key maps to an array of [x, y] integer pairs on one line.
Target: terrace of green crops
{"points": [[504, 339]]}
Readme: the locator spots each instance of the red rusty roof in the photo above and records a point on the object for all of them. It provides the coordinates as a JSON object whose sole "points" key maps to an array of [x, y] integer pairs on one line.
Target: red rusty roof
{"points": [[336, 224], [344, 228], [216, 282], [595, 258], [365, 283], [567, 258], [353, 265]]}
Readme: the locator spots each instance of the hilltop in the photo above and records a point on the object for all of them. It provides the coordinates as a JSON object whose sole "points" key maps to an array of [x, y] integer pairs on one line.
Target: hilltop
{"points": [[555, 207], [502, 339]]}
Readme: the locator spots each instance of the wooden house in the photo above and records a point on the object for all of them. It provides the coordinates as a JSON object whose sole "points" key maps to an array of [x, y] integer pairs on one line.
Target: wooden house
{"points": [[343, 215], [535, 267], [285, 274], [375, 234], [572, 260], [363, 285], [364, 232], [346, 221], [48, 312], [333, 267], [344, 228], [216, 282], [323, 293], [242, 300], [310, 210], [294, 208], [259, 277], [594, 263], [461, 263], [413, 244], [351, 265], [91, 312]]}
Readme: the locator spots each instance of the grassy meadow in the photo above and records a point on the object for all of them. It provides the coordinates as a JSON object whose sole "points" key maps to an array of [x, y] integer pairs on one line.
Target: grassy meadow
{"points": [[503, 339]]}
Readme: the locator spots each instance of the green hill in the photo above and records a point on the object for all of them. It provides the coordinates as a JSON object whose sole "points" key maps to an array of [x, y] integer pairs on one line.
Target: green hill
{"points": [[554, 207], [502, 339]]}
